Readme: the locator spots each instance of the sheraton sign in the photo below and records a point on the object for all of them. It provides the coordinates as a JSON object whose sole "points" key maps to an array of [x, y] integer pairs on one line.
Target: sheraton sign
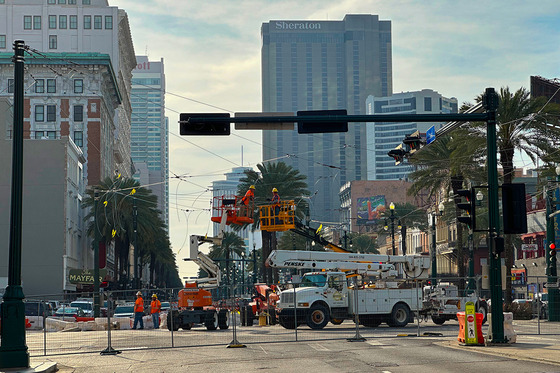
{"points": [[85, 276], [281, 25]]}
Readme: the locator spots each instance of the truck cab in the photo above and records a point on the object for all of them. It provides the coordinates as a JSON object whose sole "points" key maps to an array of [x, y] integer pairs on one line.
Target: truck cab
{"points": [[318, 299]]}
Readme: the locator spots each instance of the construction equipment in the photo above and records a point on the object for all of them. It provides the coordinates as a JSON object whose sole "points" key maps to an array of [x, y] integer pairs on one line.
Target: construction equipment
{"points": [[195, 300], [262, 302], [326, 295], [231, 207]]}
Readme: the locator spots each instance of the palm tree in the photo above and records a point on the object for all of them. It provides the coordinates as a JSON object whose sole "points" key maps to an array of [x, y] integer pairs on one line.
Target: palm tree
{"points": [[114, 217], [231, 244], [291, 186], [363, 244], [445, 165], [529, 125]]}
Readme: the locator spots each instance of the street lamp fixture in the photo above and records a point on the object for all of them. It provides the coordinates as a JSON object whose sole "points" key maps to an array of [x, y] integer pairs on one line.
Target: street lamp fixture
{"points": [[386, 227], [479, 196]]}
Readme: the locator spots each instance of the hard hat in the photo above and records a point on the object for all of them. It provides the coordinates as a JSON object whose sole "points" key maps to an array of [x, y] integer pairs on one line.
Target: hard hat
{"points": [[139, 293], [154, 296], [252, 187], [274, 190]]}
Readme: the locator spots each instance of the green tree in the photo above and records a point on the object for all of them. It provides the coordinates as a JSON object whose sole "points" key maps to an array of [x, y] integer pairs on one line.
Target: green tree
{"points": [[363, 244], [291, 186], [528, 125], [293, 241], [117, 198]]}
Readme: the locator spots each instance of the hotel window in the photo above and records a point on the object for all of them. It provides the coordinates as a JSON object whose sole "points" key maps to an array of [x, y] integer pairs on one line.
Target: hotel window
{"points": [[10, 86], [36, 22], [78, 113], [2, 41], [39, 134], [39, 113], [62, 1], [71, 1], [27, 21], [52, 42], [427, 104], [62, 22], [108, 22], [51, 113], [78, 86], [97, 22], [73, 22], [51, 135], [52, 22], [51, 85], [79, 138], [39, 86], [86, 2], [51, 1], [87, 22]]}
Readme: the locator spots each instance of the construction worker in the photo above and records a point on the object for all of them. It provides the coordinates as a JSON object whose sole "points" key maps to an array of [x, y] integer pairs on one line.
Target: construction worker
{"points": [[276, 202], [155, 309], [247, 198], [138, 311]]}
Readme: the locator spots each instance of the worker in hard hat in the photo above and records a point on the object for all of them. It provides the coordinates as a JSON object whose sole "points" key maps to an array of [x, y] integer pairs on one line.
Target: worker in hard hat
{"points": [[155, 309], [276, 202], [138, 311], [248, 198]]}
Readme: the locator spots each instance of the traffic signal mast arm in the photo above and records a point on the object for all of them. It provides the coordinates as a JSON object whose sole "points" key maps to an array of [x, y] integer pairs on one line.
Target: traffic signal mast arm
{"points": [[414, 266]]}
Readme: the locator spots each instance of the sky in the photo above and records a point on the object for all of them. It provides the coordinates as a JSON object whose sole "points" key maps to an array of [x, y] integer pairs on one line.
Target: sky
{"points": [[211, 52]]}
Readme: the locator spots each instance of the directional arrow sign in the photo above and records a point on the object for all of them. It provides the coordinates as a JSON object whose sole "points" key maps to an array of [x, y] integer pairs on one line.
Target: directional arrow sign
{"points": [[430, 135]]}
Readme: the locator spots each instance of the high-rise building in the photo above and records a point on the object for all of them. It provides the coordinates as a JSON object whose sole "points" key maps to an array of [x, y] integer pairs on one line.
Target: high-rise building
{"points": [[76, 125], [384, 136], [149, 129], [324, 65]]}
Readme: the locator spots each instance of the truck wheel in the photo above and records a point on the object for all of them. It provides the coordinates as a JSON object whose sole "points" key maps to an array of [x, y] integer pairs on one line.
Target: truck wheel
{"points": [[287, 322], [187, 326], [318, 317], [172, 316], [438, 320], [211, 322], [399, 316], [337, 321], [223, 319], [482, 308]]}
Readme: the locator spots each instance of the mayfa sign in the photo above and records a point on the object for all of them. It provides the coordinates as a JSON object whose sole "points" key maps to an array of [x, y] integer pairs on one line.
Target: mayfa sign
{"points": [[282, 25], [85, 276]]}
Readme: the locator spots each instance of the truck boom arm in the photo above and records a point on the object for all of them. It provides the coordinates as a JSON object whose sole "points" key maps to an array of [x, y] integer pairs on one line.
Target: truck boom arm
{"points": [[204, 261], [414, 266]]}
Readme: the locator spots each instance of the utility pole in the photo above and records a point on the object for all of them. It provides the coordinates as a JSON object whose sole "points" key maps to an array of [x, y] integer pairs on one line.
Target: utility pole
{"points": [[97, 238], [490, 101], [551, 260], [13, 350], [135, 236]]}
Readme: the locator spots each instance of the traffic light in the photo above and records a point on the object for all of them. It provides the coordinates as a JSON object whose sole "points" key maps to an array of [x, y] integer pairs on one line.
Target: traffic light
{"points": [[514, 206], [552, 248], [196, 125], [317, 124], [552, 262], [467, 206], [499, 245], [412, 142], [397, 154]]}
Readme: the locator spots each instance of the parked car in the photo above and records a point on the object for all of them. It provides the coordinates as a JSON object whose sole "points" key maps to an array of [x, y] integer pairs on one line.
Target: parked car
{"points": [[124, 310], [37, 308], [165, 306], [69, 313], [85, 305]]}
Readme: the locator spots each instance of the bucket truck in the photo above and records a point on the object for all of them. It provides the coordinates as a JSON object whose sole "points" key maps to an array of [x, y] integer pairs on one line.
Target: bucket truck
{"points": [[325, 295]]}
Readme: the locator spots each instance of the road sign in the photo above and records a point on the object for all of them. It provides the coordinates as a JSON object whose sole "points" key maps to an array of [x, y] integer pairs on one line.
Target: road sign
{"points": [[551, 285], [430, 135], [529, 247], [264, 125]]}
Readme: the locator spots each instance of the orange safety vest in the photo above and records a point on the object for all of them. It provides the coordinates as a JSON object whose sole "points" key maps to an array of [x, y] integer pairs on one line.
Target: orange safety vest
{"points": [[139, 305], [248, 197], [275, 198], [155, 306]]}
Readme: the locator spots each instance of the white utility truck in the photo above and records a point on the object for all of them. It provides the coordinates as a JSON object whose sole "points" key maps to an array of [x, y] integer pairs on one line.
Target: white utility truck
{"points": [[328, 294]]}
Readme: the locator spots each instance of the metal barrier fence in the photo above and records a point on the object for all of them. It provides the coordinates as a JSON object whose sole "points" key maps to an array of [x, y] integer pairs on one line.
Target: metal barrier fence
{"points": [[61, 331]]}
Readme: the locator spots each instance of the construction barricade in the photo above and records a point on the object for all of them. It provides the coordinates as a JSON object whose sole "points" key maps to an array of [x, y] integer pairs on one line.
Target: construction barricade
{"points": [[470, 323]]}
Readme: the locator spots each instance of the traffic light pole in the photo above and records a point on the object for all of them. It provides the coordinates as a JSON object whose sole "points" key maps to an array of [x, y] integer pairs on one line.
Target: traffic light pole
{"points": [[551, 260], [13, 350], [490, 101]]}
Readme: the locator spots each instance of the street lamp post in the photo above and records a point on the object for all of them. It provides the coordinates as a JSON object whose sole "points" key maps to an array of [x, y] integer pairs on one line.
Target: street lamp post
{"points": [[243, 272], [392, 217], [434, 248]]}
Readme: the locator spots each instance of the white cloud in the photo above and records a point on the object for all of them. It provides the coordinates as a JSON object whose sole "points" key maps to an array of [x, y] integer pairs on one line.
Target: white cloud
{"points": [[211, 51]]}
